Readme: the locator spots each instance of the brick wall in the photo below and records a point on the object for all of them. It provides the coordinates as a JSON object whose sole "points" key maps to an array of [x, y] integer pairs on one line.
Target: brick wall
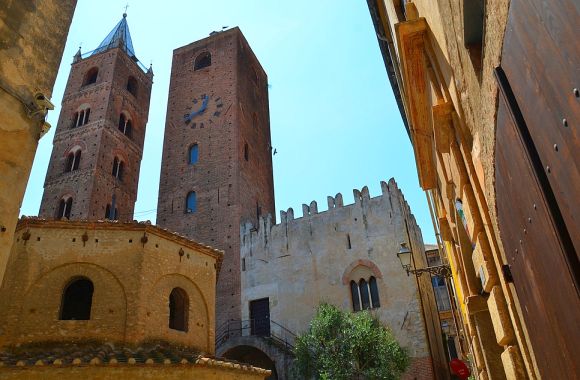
{"points": [[420, 369], [100, 140]]}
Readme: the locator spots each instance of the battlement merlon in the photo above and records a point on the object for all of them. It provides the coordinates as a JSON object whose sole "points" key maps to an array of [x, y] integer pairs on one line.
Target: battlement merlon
{"points": [[362, 196]]}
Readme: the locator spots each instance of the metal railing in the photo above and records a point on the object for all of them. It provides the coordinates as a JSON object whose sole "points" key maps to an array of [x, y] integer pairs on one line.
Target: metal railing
{"points": [[264, 328]]}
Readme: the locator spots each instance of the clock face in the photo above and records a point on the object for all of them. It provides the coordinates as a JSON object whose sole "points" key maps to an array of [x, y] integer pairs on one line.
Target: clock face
{"points": [[203, 111]]}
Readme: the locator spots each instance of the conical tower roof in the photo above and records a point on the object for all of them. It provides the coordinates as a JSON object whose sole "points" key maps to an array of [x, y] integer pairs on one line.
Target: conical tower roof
{"points": [[118, 37]]}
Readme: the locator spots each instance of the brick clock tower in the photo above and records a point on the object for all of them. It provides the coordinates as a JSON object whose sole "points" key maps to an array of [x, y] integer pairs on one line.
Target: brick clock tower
{"points": [[98, 143], [216, 171]]}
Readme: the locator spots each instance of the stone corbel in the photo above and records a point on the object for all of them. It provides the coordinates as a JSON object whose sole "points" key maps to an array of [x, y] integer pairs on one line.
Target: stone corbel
{"points": [[411, 37]]}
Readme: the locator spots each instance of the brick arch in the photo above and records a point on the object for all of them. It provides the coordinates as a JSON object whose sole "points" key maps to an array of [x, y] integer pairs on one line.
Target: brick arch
{"points": [[198, 333], [122, 155], [75, 144], [360, 262], [108, 312]]}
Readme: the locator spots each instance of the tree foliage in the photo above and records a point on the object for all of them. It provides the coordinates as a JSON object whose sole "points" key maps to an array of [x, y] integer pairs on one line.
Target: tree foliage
{"points": [[342, 345]]}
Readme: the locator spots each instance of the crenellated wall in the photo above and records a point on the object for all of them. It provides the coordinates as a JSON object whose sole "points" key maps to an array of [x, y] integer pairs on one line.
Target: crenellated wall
{"points": [[301, 262]]}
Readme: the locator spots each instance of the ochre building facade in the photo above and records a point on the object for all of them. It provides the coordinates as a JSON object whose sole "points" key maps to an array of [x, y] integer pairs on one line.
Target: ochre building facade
{"points": [[110, 300], [488, 91], [33, 34]]}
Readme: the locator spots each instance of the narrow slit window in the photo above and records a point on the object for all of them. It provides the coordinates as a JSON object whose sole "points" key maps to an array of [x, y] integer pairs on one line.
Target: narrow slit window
{"points": [[178, 309]]}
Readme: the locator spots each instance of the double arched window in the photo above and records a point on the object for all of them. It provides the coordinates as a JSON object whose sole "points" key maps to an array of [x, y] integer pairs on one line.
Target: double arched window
{"points": [[178, 309], [64, 208], [202, 60], [365, 295], [125, 125], [191, 203], [118, 168], [193, 153], [91, 76], [72, 161], [77, 300]]}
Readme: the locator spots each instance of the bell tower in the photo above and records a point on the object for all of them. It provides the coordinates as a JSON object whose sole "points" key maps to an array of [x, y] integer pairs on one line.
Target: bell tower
{"points": [[98, 144], [216, 172]]}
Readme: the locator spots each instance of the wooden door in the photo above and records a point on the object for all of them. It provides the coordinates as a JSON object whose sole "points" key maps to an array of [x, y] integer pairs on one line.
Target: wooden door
{"points": [[260, 317], [538, 177]]}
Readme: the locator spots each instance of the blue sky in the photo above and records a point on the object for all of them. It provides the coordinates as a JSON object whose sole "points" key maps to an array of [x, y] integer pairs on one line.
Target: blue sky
{"points": [[333, 117]]}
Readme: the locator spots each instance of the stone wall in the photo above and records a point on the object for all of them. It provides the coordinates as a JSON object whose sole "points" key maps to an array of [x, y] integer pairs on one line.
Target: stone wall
{"points": [[302, 262], [32, 38], [133, 267]]}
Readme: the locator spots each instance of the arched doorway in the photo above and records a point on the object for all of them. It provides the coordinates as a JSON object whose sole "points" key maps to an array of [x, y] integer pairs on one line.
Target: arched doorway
{"points": [[253, 356]]}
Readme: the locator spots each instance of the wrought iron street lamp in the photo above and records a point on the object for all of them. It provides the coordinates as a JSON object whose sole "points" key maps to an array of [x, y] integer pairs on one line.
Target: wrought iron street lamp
{"points": [[404, 256]]}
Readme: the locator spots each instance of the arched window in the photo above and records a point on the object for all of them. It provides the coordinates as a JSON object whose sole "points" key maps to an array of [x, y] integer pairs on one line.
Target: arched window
{"points": [[108, 215], [354, 295], [64, 208], [91, 76], [125, 125], [118, 167], [73, 160], [77, 300], [364, 294], [81, 117], [246, 154], [132, 85], [193, 153], [375, 302], [178, 309], [202, 60], [191, 202]]}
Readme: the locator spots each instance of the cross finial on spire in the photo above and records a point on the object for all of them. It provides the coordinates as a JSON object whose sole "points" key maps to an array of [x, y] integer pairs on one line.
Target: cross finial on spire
{"points": [[125, 13]]}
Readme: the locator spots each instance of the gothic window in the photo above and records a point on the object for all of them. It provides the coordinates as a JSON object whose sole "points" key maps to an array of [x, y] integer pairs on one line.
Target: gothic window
{"points": [[193, 153], [178, 309], [118, 167], [125, 125], [108, 215], [365, 295], [64, 208], [354, 296], [202, 60], [73, 160], [191, 203], [132, 85], [375, 302], [77, 300], [91, 76]]}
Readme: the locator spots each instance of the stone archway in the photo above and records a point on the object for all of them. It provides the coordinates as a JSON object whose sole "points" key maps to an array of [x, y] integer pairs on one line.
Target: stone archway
{"points": [[257, 352]]}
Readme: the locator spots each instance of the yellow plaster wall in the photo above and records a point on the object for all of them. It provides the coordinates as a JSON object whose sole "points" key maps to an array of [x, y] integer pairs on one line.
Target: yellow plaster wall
{"points": [[32, 38], [132, 282]]}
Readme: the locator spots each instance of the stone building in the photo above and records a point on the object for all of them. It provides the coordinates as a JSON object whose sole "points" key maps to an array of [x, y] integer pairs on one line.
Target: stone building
{"points": [[94, 167], [488, 91], [216, 170], [33, 34], [346, 256], [110, 300]]}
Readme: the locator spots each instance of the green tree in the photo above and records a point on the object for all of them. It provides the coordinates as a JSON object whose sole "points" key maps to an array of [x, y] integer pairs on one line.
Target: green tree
{"points": [[342, 345]]}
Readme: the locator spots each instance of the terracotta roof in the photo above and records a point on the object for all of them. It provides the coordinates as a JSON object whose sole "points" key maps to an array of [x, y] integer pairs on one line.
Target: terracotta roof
{"points": [[107, 354], [145, 226]]}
